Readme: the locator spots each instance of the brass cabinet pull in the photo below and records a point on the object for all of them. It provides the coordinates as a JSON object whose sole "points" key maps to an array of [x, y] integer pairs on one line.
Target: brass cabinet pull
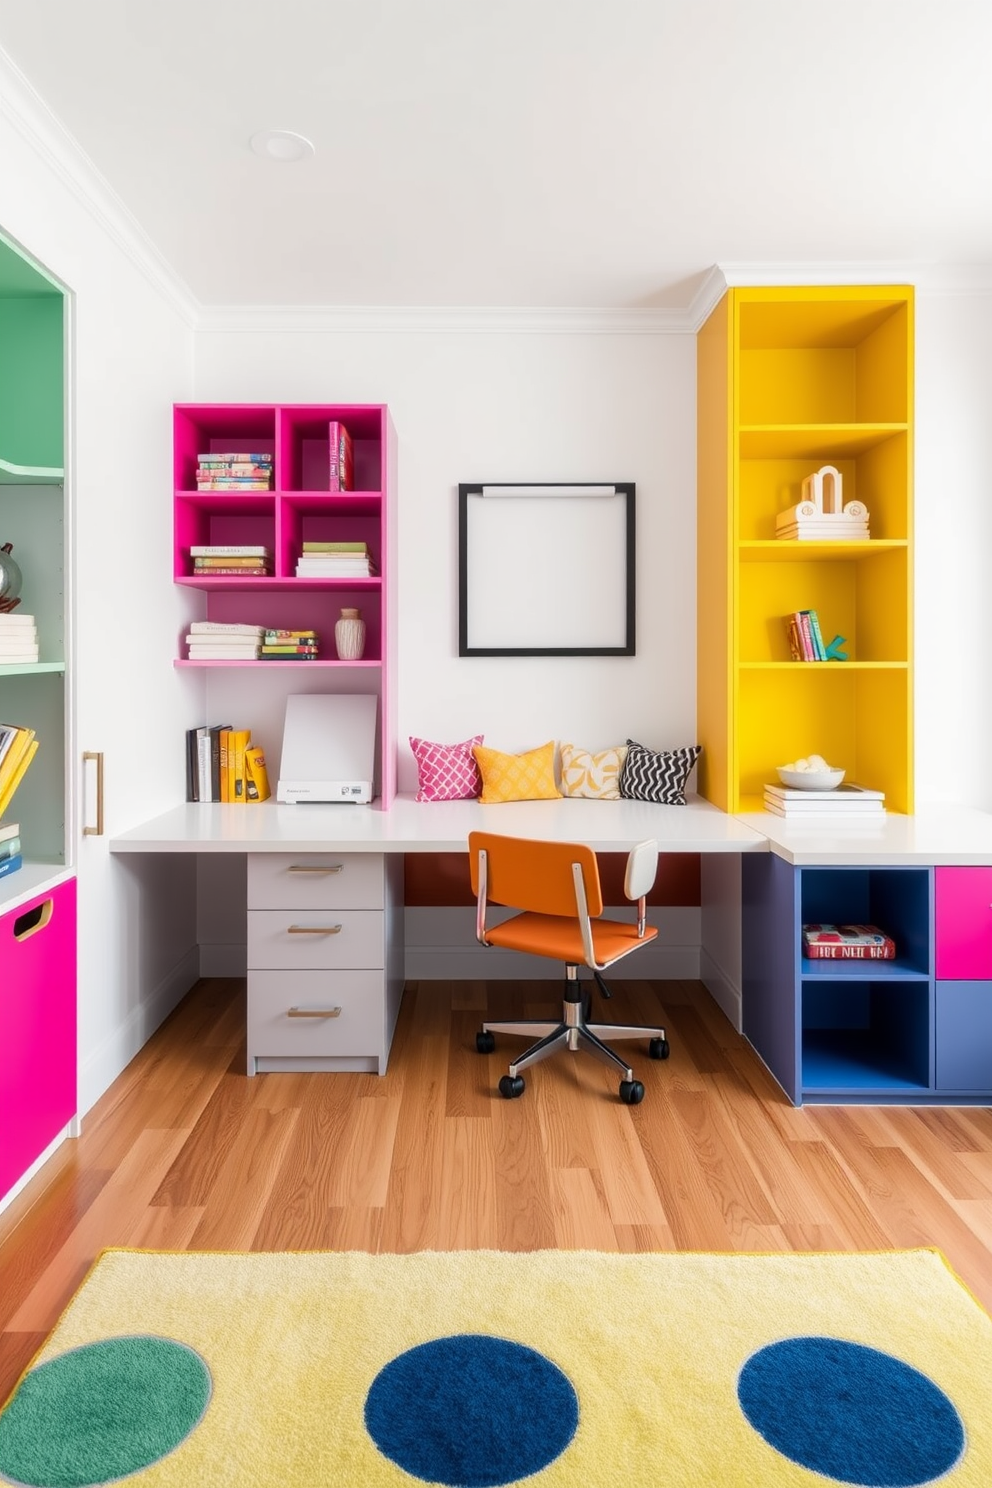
{"points": [[316, 868], [97, 831], [295, 1012], [314, 930]]}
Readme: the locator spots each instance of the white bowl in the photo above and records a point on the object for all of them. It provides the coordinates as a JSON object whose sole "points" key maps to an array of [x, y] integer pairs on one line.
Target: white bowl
{"points": [[818, 780]]}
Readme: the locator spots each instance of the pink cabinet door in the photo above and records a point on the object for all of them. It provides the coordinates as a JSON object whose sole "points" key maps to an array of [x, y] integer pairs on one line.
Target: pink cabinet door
{"points": [[37, 1028], [963, 922]]}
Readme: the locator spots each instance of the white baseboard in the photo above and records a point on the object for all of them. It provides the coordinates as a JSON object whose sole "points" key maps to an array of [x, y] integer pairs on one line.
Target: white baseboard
{"points": [[721, 989], [103, 1066], [69, 1131]]}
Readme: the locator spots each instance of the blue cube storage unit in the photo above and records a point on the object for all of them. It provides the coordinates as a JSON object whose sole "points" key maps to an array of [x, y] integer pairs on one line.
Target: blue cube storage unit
{"points": [[845, 1032]]}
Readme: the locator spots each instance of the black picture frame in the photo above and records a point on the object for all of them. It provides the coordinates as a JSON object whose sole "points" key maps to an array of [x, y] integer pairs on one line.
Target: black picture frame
{"points": [[511, 538]]}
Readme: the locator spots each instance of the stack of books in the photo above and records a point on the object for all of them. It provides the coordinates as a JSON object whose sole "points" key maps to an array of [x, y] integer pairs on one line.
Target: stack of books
{"points": [[805, 636], [18, 747], [212, 640], [846, 802], [847, 943], [231, 560], [341, 471], [18, 639], [335, 560], [223, 765], [232, 470], [289, 645], [10, 848]]}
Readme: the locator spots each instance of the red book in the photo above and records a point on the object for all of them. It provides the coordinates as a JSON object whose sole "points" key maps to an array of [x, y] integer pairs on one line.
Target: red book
{"points": [[341, 469], [847, 943]]}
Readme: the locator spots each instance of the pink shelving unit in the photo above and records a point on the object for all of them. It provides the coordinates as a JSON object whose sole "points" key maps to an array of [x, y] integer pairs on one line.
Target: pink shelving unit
{"points": [[38, 1070], [299, 508]]}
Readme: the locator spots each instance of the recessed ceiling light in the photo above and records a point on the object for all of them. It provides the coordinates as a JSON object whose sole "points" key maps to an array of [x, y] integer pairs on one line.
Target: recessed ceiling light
{"points": [[280, 144]]}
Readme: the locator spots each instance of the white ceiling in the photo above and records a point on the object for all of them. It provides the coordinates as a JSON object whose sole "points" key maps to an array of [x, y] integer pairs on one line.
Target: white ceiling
{"points": [[524, 153]]}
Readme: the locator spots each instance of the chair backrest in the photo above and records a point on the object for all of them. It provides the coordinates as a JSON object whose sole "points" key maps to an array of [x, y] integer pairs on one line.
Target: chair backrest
{"points": [[533, 875]]}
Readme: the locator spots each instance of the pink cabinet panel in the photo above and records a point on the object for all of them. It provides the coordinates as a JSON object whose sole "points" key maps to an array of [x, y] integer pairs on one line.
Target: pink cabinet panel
{"points": [[37, 1027], [963, 914]]}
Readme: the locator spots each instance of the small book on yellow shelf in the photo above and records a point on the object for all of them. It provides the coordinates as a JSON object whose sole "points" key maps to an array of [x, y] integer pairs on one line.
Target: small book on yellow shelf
{"points": [[18, 773], [256, 775]]}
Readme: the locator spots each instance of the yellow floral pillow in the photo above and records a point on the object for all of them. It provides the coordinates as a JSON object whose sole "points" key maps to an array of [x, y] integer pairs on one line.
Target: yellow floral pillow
{"points": [[517, 777], [593, 775]]}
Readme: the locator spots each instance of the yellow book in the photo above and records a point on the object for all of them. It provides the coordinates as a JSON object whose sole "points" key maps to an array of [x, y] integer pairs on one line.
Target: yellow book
{"points": [[256, 775], [18, 775], [225, 773], [13, 757], [240, 740]]}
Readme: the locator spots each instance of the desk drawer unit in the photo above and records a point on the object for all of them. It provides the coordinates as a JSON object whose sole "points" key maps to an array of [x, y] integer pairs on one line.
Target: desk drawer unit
{"points": [[325, 960]]}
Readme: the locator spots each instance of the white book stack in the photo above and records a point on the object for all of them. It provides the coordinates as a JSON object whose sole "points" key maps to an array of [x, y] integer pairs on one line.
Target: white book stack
{"points": [[334, 566], [18, 639], [846, 802], [212, 640]]}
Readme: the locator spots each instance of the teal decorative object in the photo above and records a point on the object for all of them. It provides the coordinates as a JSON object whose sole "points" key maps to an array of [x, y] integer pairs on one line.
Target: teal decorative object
{"points": [[834, 653]]}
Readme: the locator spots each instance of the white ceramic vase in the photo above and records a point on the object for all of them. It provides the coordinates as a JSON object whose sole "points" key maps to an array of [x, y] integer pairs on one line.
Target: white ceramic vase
{"points": [[349, 635]]}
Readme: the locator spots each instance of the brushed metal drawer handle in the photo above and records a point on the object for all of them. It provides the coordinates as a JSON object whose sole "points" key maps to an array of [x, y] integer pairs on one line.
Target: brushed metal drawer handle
{"points": [[316, 868], [296, 1012], [315, 929]]}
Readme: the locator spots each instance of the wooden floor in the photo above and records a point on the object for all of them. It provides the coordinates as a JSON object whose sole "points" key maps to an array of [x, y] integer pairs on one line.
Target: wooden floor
{"points": [[185, 1152]]}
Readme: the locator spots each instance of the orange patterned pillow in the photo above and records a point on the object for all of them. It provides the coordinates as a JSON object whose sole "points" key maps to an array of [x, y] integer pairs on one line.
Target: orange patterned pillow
{"points": [[517, 777]]}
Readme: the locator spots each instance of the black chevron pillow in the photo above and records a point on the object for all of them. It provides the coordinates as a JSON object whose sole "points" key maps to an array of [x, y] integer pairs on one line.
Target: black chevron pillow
{"points": [[657, 775]]}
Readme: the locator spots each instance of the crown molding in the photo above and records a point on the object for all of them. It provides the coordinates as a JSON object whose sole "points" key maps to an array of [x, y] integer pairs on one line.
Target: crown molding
{"points": [[420, 320], [927, 277], [26, 111]]}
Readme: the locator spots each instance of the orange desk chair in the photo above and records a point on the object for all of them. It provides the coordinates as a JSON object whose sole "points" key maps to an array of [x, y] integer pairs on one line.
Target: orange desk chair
{"points": [[555, 886]]}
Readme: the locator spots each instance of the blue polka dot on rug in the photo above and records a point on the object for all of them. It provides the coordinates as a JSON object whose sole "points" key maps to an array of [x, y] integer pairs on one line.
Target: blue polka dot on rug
{"points": [[850, 1412], [471, 1410]]}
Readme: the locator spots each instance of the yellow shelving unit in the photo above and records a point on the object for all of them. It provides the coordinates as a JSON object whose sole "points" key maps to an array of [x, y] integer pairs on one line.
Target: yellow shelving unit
{"points": [[790, 380]]}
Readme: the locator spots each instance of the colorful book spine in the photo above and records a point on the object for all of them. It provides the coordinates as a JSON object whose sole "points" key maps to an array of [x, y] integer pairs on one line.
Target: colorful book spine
{"points": [[229, 550], [10, 848], [819, 648], [11, 865], [340, 450], [227, 457]]}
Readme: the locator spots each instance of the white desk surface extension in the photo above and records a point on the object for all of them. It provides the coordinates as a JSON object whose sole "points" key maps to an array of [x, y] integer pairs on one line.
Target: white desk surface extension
{"points": [[938, 834], [411, 826]]}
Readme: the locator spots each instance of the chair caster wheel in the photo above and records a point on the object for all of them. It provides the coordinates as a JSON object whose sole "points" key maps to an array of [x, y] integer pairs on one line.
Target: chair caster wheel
{"points": [[484, 1042], [658, 1048], [631, 1092], [510, 1086]]}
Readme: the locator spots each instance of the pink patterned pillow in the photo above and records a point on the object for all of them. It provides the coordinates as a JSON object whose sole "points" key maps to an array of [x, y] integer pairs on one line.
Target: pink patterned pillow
{"points": [[447, 772]]}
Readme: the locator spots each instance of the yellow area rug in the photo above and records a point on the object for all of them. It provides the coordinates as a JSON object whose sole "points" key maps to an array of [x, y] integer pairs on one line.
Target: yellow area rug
{"points": [[560, 1369]]}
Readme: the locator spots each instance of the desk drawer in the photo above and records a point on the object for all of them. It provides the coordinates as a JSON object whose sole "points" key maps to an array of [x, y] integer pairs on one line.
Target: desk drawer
{"points": [[295, 940], [356, 1027], [316, 881]]}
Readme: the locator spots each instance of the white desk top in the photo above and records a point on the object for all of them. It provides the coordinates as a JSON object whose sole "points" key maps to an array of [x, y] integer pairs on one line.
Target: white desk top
{"points": [[442, 826], [936, 834]]}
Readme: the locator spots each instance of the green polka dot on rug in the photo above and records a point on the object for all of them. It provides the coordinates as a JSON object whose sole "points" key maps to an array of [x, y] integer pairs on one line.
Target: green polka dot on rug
{"points": [[102, 1411]]}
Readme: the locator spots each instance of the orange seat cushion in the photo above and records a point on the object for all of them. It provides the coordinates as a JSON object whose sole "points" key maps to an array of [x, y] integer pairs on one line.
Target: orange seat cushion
{"points": [[561, 939]]}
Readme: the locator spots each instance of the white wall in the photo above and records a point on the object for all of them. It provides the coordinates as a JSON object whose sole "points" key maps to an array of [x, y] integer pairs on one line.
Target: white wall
{"points": [[131, 355], [953, 548], [486, 405]]}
